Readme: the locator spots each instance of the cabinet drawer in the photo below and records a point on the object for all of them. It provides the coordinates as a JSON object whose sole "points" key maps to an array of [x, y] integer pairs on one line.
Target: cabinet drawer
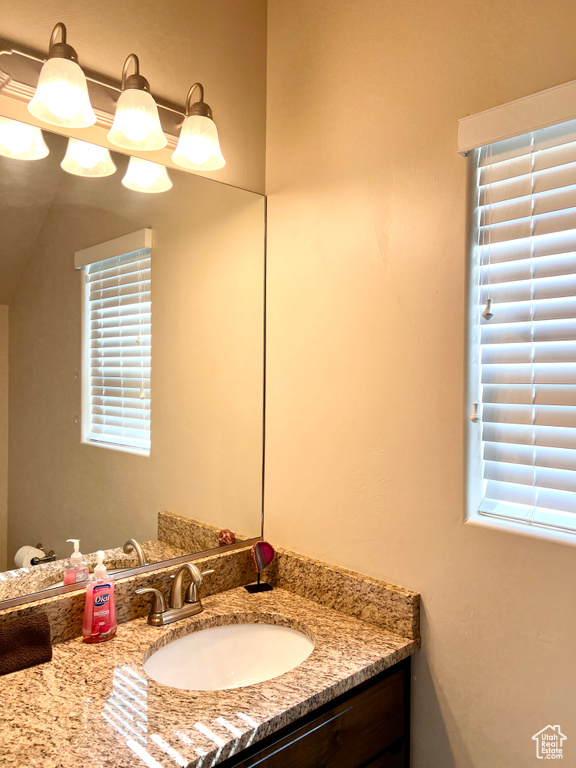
{"points": [[390, 759], [354, 732]]}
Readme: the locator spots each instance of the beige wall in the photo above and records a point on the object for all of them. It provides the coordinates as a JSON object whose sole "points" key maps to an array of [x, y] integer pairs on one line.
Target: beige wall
{"points": [[222, 44], [3, 434], [207, 356], [365, 462]]}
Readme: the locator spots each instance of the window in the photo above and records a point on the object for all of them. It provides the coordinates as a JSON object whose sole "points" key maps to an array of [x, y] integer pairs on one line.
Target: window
{"points": [[117, 327], [522, 334]]}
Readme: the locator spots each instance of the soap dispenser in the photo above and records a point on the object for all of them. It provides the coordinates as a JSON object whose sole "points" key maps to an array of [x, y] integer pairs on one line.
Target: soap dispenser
{"points": [[99, 609], [77, 570]]}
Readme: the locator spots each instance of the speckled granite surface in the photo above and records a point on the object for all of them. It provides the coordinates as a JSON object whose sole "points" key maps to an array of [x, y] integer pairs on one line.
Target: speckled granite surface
{"points": [[192, 535], [354, 594], [65, 612], [25, 581], [93, 705]]}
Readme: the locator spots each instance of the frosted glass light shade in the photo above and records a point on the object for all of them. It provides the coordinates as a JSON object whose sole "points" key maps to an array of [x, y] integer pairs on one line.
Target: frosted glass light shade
{"points": [[198, 146], [145, 176], [61, 97], [21, 141], [84, 159], [136, 122]]}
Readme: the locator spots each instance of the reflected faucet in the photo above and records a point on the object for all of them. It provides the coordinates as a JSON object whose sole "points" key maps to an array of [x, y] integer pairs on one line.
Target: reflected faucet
{"points": [[133, 546]]}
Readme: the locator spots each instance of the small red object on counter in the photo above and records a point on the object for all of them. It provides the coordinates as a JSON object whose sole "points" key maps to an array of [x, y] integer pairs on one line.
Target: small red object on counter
{"points": [[226, 537]]}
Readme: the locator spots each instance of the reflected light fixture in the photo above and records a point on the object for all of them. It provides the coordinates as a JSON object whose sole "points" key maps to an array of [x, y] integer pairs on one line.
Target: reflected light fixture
{"points": [[61, 97], [198, 146], [136, 121], [21, 141], [145, 176], [84, 159]]}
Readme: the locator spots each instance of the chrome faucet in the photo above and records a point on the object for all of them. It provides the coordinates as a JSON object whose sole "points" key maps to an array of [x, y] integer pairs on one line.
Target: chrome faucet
{"points": [[181, 606], [133, 546]]}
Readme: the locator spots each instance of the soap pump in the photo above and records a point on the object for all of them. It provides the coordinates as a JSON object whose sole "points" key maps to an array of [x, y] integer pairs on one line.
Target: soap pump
{"points": [[78, 570], [99, 609]]}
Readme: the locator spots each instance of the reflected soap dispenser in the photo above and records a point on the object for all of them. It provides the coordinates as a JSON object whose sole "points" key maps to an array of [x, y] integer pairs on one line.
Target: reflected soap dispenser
{"points": [[77, 570], [99, 622]]}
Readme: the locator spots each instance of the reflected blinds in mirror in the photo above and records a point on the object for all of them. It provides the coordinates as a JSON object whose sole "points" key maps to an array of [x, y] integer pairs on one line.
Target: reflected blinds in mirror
{"points": [[118, 344], [526, 259]]}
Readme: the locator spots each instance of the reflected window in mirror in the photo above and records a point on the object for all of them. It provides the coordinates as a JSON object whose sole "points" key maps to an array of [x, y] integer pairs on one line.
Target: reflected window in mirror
{"points": [[117, 343]]}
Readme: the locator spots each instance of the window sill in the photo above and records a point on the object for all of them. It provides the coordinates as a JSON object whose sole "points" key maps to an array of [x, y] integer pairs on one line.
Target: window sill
{"points": [[532, 530], [115, 447]]}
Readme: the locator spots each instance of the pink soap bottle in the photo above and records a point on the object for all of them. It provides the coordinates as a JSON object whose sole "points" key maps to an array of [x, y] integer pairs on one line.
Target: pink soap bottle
{"points": [[99, 622], [77, 571]]}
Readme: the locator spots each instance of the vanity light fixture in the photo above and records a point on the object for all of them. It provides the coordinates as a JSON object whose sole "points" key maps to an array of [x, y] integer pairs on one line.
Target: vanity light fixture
{"points": [[198, 146], [136, 121], [84, 159], [21, 141], [61, 97], [145, 176]]}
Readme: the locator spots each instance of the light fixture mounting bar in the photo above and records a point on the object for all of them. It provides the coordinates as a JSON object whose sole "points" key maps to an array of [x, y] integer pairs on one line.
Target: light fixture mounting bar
{"points": [[20, 69]]}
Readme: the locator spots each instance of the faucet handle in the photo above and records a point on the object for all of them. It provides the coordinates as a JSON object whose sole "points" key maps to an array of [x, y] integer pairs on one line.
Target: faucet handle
{"points": [[202, 573], [158, 602], [192, 591]]}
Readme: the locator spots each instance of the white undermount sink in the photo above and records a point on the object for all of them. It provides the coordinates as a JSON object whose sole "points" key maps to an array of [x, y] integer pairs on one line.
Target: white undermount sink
{"points": [[230, 656]]}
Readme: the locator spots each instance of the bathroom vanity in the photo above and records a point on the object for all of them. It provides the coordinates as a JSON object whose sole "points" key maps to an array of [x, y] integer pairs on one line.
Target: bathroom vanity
{"points": [[368, 727], [346, 705]]}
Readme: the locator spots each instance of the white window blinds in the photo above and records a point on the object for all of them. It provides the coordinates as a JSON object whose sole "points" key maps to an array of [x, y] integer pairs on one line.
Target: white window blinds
{"points": [[118, 325], [525, 354]]}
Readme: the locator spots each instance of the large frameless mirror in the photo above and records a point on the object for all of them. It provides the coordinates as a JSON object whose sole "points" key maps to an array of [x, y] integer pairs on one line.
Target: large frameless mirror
{"points": [[204, 327]]}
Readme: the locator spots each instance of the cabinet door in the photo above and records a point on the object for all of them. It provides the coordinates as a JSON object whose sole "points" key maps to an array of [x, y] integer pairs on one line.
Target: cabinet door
{"points": [[355, 733]]}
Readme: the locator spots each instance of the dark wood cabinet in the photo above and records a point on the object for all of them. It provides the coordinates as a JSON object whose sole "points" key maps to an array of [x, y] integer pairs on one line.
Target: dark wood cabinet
{"points": [[368, 727]]}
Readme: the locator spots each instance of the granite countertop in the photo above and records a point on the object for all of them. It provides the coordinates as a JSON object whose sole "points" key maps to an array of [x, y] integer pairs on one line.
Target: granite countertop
{"points": [[93, 705]]}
